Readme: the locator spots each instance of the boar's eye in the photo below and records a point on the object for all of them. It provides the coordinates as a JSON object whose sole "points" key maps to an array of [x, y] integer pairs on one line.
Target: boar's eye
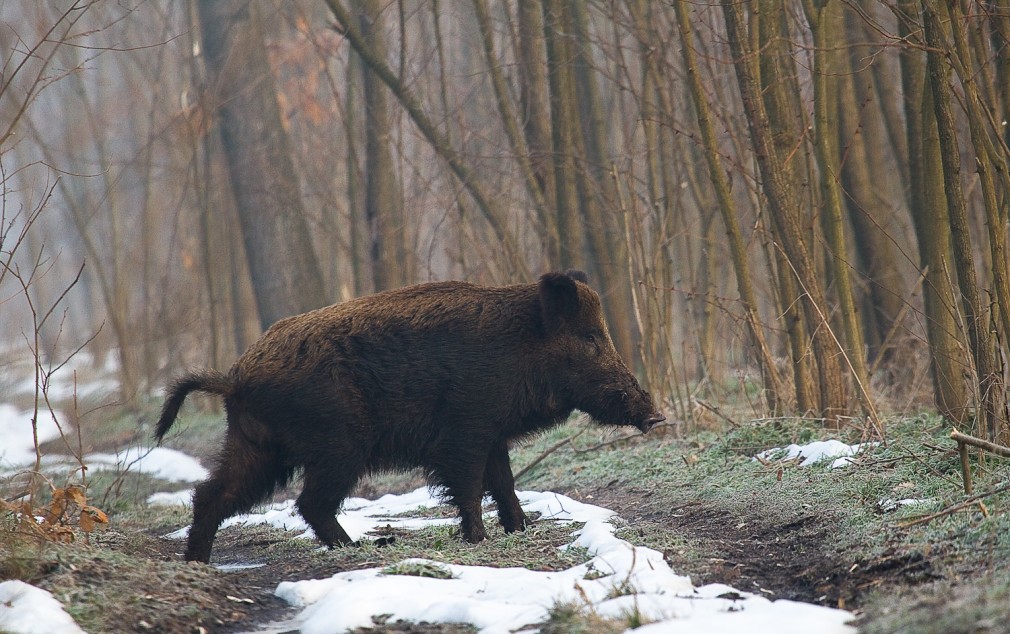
{"points": [[593, 342]]}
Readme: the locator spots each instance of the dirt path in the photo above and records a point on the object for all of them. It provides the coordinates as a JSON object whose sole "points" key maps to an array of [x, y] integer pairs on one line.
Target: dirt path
{"points": [[781, 557]]}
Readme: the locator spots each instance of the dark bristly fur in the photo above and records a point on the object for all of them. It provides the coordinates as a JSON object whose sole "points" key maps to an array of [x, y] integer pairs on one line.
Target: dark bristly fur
{"points": [[441, 376]]}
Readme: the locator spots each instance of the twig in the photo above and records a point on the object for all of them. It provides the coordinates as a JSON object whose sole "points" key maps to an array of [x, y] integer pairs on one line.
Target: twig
{"points": [[962, 449], [549, 451], [621, 439], [715, 410], [955, 508]]}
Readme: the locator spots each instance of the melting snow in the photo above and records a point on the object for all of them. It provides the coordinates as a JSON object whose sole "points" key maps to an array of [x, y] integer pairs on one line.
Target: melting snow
{"points": [[817, 451], [25, 609], [160, 462], [618, 580], [17, 448]]}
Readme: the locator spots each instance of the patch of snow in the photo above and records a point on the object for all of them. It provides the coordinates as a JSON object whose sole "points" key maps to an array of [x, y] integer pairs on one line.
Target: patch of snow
{"points": [[817, 451], [175, 498], [25, 609], [160, 462], [17, 447], [887, 505], [358, 516], [501, 600], [63, 383], [237, 567]]}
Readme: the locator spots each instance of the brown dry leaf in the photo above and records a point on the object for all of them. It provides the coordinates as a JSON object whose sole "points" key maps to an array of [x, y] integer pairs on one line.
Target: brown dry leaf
{"points": [[91, 517], [61, 534], [55, 510], [75, 494]]}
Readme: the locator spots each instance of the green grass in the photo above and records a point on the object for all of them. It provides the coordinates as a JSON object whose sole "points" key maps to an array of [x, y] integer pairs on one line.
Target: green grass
{"points": [[919, 461]]}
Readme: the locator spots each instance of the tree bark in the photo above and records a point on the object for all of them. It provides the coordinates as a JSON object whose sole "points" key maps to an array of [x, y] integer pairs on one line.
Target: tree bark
{"points": [[947, 348], [824, 21], [493, 212], [991, 395], [383, 204], [784, 210], [282, 264], [534, 95], [771, 381]]}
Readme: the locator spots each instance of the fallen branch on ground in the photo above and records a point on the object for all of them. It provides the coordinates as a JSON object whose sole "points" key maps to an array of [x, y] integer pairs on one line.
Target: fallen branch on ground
{"points": [[991, 447]]}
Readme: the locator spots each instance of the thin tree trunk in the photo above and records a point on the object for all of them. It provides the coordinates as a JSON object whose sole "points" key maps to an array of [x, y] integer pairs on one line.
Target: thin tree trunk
{"points": [[976, 314], [493, 212], [531, 53], [785, 214], [285, 273], [824, 21], [861, 142], [562, 96], [510, 121], [771, 381], [988, 161], [357, 223], [947, 348], [382, 203], [605, 232]]}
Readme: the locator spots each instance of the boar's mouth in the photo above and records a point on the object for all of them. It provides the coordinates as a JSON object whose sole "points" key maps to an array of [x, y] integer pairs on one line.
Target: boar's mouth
{"points": [[649, 422]]}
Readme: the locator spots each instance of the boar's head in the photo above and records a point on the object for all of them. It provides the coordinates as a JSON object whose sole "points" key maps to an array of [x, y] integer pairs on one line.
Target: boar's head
{"points": [[586, 369]]}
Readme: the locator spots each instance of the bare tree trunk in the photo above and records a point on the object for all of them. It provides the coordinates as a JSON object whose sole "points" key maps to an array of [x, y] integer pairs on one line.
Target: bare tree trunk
{"points": [[383, 202], [990, 382], [784, 211], [284, 270], [605, 232], [563, 115], [359, 255], [824, 21], [493, 212], [727, 208], [531, 52], [512, 125], [866, 206]]}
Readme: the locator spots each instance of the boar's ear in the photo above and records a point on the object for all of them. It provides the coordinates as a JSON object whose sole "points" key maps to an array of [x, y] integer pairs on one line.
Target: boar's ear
{"points": [[577, 275], [559, 300]]}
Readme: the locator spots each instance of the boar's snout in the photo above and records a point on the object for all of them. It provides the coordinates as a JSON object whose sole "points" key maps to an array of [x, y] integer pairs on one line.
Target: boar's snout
{"points": [[626, 404], [649, 422], [641, 413], [651, 417]]}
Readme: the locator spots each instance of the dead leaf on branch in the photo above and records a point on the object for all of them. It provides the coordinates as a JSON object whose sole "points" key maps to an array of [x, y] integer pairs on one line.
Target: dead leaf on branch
{"points": [[55, 521]]}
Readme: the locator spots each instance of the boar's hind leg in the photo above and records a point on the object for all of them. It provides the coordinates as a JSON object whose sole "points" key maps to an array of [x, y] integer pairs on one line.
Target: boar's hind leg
{"points": [[320, 498], [498, 481], [245, 474]]}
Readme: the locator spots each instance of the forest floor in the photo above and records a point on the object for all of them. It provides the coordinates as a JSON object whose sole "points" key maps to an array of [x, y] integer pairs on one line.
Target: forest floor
{"points": [[812, 534]]}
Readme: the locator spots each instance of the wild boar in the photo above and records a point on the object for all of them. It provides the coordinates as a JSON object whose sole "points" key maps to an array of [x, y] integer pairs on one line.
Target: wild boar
{"points": [[442, 376]]}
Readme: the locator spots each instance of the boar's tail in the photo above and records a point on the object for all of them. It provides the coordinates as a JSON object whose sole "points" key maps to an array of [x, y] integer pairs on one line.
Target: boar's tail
{"points": [[210, 381]]}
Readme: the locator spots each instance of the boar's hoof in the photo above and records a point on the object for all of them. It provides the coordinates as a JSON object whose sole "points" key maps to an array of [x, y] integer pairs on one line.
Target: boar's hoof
{"points": [[648, 423], [514, 525]]}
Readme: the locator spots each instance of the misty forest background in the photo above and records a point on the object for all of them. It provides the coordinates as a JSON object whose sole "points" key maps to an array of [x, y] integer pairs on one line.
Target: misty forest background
{"points": [[789, 206]]}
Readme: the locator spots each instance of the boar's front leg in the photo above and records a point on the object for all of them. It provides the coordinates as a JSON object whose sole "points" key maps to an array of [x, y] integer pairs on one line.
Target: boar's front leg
{"points": [[459, 471], [500, 483]]}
